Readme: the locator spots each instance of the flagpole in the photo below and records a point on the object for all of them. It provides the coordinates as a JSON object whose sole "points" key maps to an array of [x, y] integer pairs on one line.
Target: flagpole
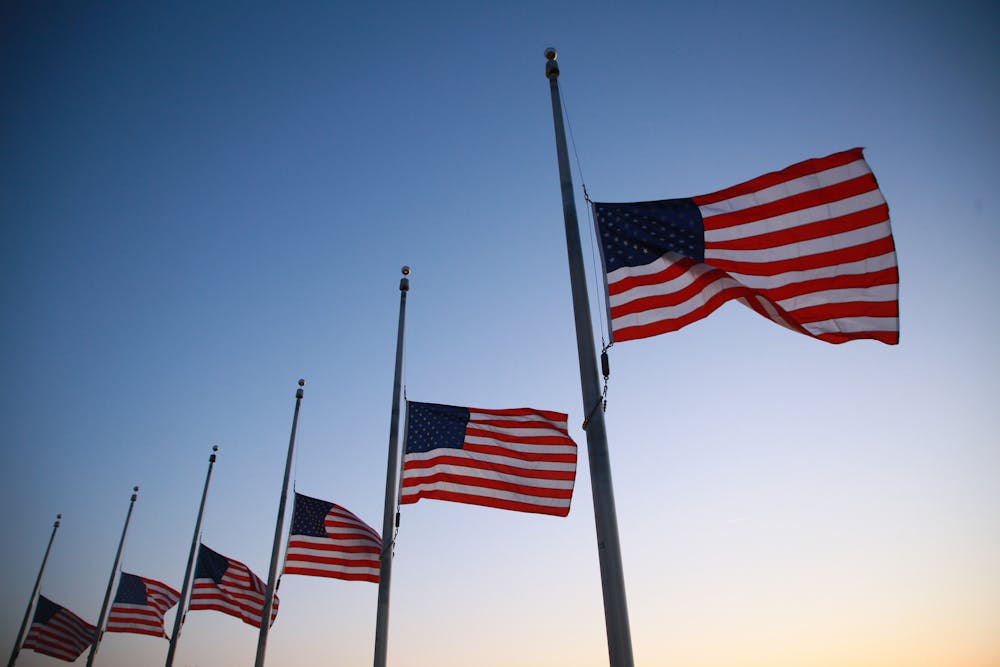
{"points": [[391, 473], [34, 593], [279, 524], [99, 631], [608, 547], [182, 601]]}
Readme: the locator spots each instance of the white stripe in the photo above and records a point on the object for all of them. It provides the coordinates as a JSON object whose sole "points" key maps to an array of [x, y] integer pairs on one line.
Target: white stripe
{"points": [[565, 466], [214, 597], [347, 540], [345, 532], [656, 266], [658, 289], [333, 524], [872, 294], [331, 553], [506, 478], [674, 312], [242, 595], [333, 567], [66, 624], [334, 515], [796, 218], [849, 239], [820, 179], [534, 417], [519, 431], [861, 267], [298, 540], [120, 610], [519, 446], [235, 606], [772, 312], [853, 325], [137, 623], [486, 493]]}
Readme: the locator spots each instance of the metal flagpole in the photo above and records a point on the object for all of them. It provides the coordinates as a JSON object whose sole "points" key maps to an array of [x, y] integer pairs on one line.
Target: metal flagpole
{"points": [[99, 632], [182, 602], [391, 473], [272, 573], [34, 593], [608, 547]]}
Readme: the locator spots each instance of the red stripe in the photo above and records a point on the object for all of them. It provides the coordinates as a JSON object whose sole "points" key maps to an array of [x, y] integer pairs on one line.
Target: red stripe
{"points": [[210, 606], [833, 311], [354, 549], [344, 528], [833, 258], [513, 425], [485, 465], [522, 490], [798, 170], [808, 232], [341, 530], [522, 412], [518, 438], [349, 576], [793, 203], [887, 337], [487, 502], [675, 270], [152, 632], [664, 326], [888, 276], [785, 319], [520, 456], [326, 560], [667, 300]]}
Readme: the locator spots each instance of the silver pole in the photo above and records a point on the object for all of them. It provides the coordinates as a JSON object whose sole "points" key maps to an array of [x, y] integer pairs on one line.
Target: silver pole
{"points": [[605, 518], [99, 631], [279, 524], [182, 602], [34, 593], [391, 472]]}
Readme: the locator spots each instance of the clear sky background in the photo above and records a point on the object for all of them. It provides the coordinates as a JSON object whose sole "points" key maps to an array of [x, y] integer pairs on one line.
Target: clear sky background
{"points": [[203, 202]]}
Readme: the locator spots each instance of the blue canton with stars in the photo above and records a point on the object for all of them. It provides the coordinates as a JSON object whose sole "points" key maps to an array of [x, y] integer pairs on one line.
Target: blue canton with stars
{"points": [[430, 426], [310, 516], [210, 565], [45, 609], [638, 233], [131, 590]]}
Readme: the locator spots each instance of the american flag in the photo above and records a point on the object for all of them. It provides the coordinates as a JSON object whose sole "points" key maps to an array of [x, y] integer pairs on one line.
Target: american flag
{"points": [[326, 540], [227, 585], [58, 632], [808, 247], [140, 604], [518, 459]]}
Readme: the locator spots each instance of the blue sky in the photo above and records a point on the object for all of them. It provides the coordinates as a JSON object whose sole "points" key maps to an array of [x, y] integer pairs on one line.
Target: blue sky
{"points": [[202, 203]]}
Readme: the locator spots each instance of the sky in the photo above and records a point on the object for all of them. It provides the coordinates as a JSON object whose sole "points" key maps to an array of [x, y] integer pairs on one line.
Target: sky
{"points": [[202, 203]]}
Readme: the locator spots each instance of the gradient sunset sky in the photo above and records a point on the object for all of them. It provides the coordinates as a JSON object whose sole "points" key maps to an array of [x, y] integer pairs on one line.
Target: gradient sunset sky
{"points": [[203, 202]]}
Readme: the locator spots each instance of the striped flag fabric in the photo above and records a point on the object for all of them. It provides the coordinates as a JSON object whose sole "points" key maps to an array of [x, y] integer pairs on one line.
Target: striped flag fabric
{"points": [[327, 540], [57, 632], [140, 604], [227, 585], [518, 459], [808, 247]]}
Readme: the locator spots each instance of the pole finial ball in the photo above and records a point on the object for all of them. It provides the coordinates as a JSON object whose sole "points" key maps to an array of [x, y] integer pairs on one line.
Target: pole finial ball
{"points": [[302, 382], [405, 270], [58, 516], [215, 448], [135, 489], [551, 54]]}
